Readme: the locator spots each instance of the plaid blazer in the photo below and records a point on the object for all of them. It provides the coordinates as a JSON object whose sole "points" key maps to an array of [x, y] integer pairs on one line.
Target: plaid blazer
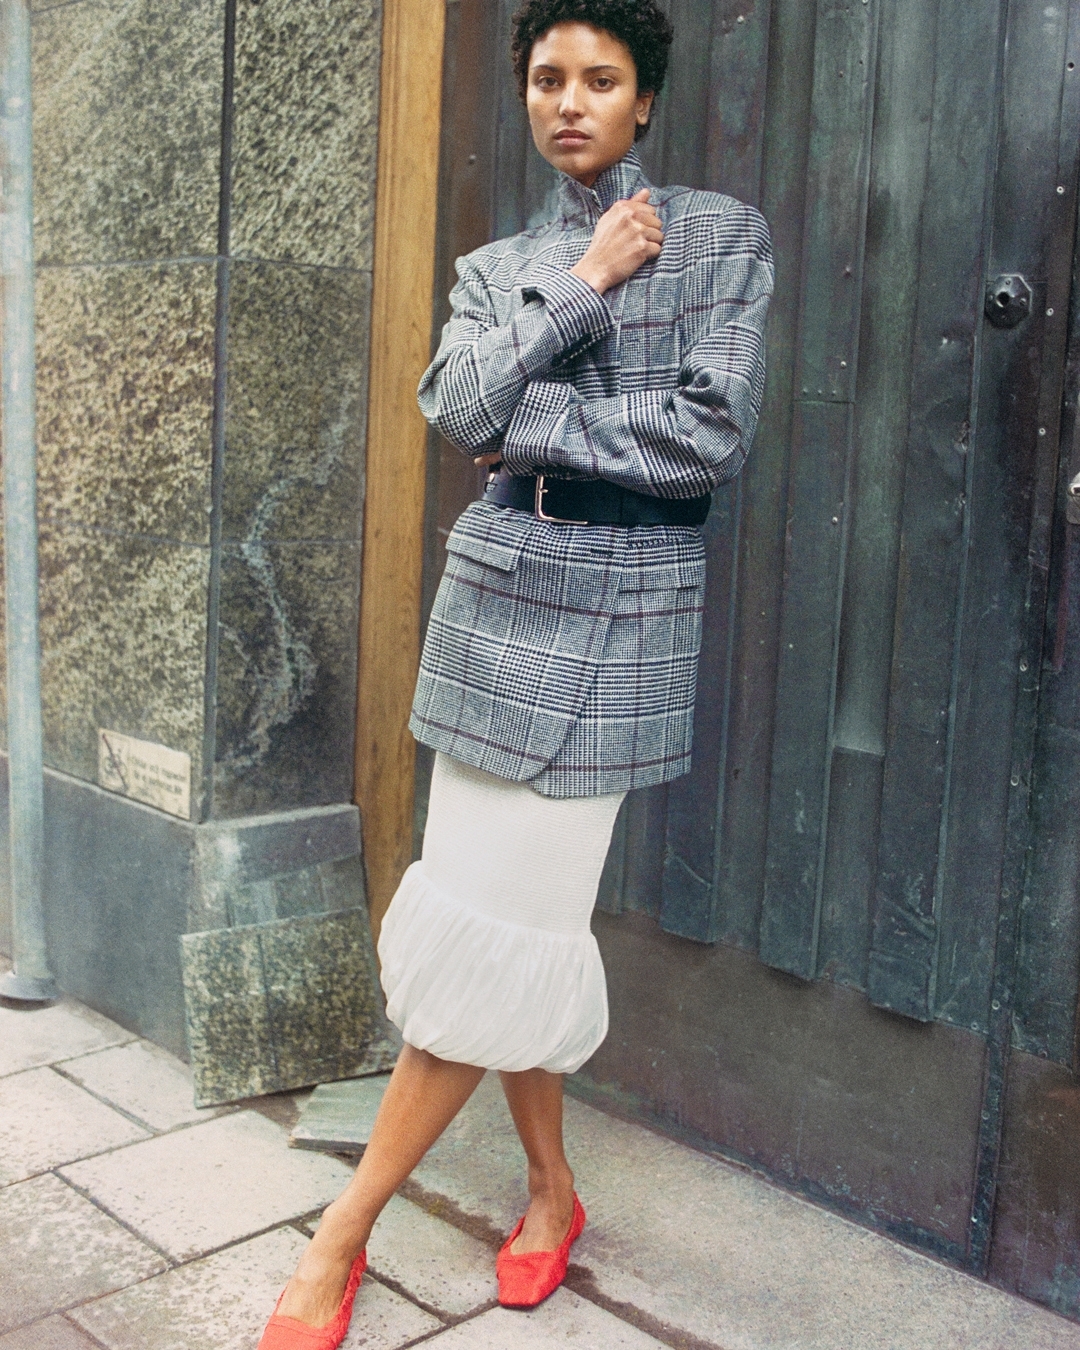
{"points": [[567, 655]]}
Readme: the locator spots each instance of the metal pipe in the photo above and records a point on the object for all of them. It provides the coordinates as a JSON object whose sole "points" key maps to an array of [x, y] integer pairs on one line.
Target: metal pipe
{"points": [[31, 980]]}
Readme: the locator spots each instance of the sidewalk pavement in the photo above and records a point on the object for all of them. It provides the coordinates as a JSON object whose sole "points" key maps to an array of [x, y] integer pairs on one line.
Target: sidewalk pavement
{"points": [[133, 1221]]}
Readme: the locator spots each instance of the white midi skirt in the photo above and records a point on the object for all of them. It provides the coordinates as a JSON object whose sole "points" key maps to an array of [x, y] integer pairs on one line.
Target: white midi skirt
{"points": [[486, 951]]}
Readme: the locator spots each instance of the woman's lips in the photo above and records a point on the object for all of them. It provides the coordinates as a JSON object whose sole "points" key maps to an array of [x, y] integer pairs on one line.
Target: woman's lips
{"points": [[571, 138]]}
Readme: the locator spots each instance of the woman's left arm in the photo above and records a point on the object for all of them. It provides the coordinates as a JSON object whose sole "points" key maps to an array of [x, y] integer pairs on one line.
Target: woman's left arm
{"points": [[680, 442]]}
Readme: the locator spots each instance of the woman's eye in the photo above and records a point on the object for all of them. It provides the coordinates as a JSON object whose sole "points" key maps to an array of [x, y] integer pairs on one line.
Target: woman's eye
{"points": [[604, 83]]}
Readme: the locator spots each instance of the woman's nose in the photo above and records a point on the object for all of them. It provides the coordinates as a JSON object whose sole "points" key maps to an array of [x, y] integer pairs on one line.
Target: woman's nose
{"points": [[570, 103]]}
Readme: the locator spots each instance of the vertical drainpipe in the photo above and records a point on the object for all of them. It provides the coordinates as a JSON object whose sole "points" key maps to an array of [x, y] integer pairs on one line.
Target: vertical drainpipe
{"points": [[30, 981]]}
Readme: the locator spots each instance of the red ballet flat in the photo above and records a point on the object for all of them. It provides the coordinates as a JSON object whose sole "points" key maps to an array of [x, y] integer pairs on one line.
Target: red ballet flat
{"points": [[286, 1333], [528, 1279]]}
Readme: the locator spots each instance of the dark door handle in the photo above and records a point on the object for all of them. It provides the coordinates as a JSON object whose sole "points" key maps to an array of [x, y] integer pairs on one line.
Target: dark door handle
{"points": [[1008, 300]]}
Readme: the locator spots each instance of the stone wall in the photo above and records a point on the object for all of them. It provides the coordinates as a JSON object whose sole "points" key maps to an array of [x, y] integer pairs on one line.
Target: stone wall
{"points": [[204, 197], [203, 200]]}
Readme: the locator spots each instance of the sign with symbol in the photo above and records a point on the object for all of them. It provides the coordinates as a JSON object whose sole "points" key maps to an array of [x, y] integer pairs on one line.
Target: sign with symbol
{"points": [[146, 772]]}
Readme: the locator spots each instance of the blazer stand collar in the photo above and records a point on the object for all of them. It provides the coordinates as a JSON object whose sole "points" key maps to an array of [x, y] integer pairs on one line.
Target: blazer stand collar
{"points": [[581, 205]]}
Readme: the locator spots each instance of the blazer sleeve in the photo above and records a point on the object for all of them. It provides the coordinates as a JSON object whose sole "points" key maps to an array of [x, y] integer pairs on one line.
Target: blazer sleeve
{"points": [[472, 389], [680, 442]]}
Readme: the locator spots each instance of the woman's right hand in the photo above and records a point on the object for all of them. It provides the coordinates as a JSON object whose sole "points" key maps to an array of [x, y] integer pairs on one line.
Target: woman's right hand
{"points": [[626, 236]]}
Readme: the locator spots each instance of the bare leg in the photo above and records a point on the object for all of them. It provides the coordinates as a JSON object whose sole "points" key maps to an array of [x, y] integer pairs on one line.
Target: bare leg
{"points": [[535, 1098], [423, 1096]]}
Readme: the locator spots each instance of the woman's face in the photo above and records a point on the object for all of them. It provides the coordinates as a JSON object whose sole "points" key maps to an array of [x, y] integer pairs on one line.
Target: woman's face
{"points": [[583, 100]]}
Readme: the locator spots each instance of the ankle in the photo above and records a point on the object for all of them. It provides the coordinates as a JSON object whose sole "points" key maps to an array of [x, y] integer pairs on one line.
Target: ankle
{"points": [[340, 1236], [551, 1184]]}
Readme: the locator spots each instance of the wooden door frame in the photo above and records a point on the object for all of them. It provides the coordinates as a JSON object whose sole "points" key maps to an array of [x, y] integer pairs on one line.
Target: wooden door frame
{"points": [[410, 101]]}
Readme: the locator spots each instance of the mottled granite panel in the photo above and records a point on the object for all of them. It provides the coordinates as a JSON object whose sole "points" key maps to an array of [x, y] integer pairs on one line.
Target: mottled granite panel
{"points": [[125, 398], [297, 402], [325, 1003], [127, 129], [123, 638], [227, 1014], [286, 693], [305, 130], [280, 1005]]}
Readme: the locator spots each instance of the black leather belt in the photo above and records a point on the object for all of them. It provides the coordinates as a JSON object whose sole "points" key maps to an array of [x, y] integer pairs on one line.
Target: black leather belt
{"points": [[573, 501]]}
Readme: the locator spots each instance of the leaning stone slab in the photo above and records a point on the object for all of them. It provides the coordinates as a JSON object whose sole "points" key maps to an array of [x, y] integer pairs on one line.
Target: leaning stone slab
{"points": [[338, 1116], [281, 1005]]}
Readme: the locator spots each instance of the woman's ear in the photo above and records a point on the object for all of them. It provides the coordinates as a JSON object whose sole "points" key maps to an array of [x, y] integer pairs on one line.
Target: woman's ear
{"points": [[643, 109]]}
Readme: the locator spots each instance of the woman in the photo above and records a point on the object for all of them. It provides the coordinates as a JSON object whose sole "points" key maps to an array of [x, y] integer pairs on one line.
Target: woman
{"points": [[608, 366]]}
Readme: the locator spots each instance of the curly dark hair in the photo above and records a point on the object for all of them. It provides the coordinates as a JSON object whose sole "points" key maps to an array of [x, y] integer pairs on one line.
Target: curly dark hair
{"points": [[641, 24]]}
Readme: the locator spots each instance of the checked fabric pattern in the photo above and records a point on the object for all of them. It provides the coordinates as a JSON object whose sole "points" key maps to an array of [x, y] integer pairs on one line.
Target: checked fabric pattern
{"points": [[567, 655]]}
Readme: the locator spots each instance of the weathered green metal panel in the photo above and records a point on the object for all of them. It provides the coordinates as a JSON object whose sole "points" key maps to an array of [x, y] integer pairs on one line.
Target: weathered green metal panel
{"points": [[900, 153], [798, 802], [722, 53], [933, 548], [845, 50], [1005, 624]]}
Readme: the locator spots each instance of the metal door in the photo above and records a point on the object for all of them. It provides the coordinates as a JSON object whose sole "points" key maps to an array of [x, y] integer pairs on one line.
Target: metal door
{"points": [[823, 942]]}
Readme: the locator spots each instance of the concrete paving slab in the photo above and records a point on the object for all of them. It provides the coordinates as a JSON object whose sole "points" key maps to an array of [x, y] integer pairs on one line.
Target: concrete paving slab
{"points": [[46, 1121], [145, 1081], [57, 1249], [222, 1302], [382, 1320], [437, 1265], [33, 1036], [563, 1320], [338, 1116], [55, 1333], [199, 1188], [728, 1257]]}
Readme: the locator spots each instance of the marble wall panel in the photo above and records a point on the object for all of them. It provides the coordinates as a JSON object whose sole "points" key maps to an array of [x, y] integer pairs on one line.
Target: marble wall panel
{"points": [[127, 129], [305, 130], [125, 397], [123, 637], [286, 692], [297, 402]]}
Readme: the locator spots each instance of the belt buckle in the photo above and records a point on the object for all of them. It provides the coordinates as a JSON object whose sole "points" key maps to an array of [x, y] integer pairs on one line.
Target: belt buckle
{"points": [[538, 506]]}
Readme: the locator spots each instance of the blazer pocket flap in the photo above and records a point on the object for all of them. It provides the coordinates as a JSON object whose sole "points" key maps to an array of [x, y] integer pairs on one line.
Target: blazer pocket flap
{"points": [[504, 554], [666, 575]]}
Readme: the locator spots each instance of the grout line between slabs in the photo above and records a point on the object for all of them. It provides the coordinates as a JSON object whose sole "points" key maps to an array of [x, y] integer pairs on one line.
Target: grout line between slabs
{"points": [[155, 1130], [580, 1280], [448, 1319], [64, 1059], [83, 1331], [127, 1227]]}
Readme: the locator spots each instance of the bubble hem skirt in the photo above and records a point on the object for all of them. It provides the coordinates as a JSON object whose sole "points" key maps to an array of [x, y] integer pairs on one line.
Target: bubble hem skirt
{"points": [[486, 951]]}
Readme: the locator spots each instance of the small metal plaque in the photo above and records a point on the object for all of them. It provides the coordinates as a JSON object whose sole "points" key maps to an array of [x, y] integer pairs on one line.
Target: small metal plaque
{"points": [[146, 772]]}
